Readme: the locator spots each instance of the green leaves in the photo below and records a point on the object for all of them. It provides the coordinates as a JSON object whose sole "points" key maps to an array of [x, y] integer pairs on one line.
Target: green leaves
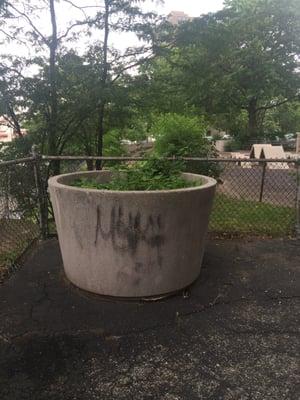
{"points": [[179, 135], [153, 174], [243, 54]]}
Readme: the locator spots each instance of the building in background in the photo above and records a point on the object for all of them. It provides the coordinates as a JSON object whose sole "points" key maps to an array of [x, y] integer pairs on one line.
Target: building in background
{"points": [[176, 17], [7, 132]]}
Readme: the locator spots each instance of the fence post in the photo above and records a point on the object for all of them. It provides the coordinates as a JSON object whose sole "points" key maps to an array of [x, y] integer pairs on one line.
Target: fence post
{"points": [[262, 184], [298, 201], [40, 193]]}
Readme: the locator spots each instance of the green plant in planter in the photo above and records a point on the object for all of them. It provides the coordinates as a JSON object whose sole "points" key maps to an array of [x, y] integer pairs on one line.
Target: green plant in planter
{"points": [[153, 174]]}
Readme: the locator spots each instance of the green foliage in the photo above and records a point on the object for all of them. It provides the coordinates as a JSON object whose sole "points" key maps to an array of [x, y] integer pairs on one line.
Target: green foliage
{"points": [[271, 128], [286, 117], [184, 136], [153, 174], [241, 58], [136, 131], [233, 67], [180, 135], [112, 144], [18, 148], [17, 181]]}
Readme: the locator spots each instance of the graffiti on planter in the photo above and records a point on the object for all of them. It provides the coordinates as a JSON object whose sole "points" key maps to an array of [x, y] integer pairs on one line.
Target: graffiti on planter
{"points": [[127, 232]]}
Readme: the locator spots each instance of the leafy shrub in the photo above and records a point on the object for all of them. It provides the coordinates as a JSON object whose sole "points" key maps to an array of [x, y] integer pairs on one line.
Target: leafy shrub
{"points": [[18, 148], [180, 135], [112, 145], [153, 174], [184, 136], [137, 131]]}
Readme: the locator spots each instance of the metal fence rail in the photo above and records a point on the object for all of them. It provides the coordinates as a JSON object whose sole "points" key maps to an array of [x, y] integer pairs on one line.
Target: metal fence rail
{"points": [[253, 197]]}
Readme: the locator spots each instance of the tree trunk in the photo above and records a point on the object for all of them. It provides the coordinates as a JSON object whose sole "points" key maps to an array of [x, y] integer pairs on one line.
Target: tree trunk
{"points": [[88, 152], [90, 165], [53, 43], [252, 120], [100, 135], [103, 80], [12, 115], [88, 149]]}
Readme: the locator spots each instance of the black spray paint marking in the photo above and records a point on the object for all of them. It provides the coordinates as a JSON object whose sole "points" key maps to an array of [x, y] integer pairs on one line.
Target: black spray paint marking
{"points": [[127, 232]]}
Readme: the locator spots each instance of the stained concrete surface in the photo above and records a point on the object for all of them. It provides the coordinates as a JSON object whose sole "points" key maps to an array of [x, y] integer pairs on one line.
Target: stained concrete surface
{"points": [[125, 243], [234, 335]]}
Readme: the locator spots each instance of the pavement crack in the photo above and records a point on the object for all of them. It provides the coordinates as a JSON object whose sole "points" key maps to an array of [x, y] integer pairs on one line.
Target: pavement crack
{"points": [[283, 297]]}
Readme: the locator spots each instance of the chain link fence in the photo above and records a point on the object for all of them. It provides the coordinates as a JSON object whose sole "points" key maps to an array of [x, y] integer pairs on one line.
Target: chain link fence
{"points": [[258, 198], [19, 214], [253, 197]]}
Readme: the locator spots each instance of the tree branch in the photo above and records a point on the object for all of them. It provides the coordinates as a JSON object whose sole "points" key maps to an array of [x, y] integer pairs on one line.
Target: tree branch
{"points": [[63, 142], [77, 7], [15, 122], [7, 34], [77, 23], [133, 53], [139, 62], [36, 30], [268, 107], [81, 7]]}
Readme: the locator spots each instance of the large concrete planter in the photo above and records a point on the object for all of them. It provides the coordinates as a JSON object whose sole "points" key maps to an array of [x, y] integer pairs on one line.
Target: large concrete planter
{"points": [[131, 244]]}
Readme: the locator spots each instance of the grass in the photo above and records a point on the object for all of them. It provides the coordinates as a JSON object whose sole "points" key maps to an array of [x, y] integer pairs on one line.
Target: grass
{"points": [[250, 217]]}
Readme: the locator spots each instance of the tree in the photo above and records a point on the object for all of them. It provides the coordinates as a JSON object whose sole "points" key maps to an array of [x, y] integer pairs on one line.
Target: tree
{"points": [[120, 16], [243, 57], [10, 96], [100, 76], [47, 45], [27, 15], [284, 119]]}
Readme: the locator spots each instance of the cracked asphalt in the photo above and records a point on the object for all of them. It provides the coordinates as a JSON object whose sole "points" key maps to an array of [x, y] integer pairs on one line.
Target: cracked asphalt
{"points": [[233, 335]]}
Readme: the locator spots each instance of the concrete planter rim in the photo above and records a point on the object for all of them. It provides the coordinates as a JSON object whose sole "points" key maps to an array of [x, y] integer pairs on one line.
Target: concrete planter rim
{"points": [[55, 182]]}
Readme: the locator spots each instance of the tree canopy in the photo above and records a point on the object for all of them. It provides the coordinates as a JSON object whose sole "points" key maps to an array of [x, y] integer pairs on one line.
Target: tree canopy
{"points": [[236, 70], [243, 58]]}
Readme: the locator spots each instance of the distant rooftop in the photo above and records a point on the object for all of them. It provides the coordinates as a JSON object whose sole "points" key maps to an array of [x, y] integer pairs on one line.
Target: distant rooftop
{"points": [[176, 17]]}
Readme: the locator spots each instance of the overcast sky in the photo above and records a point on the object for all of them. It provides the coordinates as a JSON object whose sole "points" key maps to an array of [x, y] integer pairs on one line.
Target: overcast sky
{"points": [[194, 8], [66, 13]]}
